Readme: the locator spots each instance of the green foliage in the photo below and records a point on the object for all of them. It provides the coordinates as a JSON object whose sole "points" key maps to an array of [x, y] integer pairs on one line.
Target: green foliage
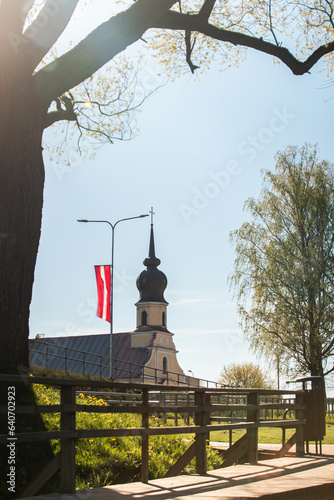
{"points": [[245, 375], [284, 269]]}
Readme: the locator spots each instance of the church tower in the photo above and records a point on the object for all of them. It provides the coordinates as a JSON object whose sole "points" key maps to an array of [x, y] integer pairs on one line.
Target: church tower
{"points": [[151, 332], [151, 283]]}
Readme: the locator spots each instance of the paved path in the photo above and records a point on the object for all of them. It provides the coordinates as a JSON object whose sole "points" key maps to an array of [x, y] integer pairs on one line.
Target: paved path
{"points": [[288, 478]]}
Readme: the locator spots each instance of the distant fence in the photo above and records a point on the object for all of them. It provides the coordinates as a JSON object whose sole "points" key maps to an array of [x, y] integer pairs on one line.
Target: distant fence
{"points": [[330, 407]]}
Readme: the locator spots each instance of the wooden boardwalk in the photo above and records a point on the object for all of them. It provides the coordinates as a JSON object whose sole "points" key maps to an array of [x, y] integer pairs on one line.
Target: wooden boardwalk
{"points": [[307, 478]]}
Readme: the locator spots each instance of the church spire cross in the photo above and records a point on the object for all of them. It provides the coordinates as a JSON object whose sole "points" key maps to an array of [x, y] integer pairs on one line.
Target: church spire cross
{"points": [[152, 213]]}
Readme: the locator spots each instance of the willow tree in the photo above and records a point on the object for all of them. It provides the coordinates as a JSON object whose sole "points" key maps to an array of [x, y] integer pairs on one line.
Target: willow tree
{"points": [[39, 89], [284, 268]]}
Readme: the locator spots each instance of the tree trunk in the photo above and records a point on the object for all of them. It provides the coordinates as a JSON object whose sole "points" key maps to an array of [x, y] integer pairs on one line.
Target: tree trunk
{"points": [[21, 198]]}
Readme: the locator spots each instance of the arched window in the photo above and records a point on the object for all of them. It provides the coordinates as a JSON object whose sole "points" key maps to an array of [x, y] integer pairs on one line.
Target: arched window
{"points": [[164, 365], [144, 318], [164, 319]]}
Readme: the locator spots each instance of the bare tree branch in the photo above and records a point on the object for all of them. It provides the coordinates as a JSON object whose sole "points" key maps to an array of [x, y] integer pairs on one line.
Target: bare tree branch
{"points": [[329, 371], [189, 49]]}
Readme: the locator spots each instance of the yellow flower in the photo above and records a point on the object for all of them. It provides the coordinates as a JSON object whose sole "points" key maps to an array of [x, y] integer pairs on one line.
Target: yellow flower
{"points": [[81, 395]]}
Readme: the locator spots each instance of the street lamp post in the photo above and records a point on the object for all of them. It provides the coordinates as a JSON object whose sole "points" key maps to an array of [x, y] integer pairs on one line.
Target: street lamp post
{"points": [[111, 305]]}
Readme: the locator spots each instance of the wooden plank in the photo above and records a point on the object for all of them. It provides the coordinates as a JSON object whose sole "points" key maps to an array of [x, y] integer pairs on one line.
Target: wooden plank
{"points": [[182, 461], [252, 433], [144, 440], [236, 451], [281, 406], [42, 478], [67, 445], [281, 423], [299, 429], [202, 417], [282, 452], [58, 382], [138, 431], [125, 408], [26, 437], [32, 409]]}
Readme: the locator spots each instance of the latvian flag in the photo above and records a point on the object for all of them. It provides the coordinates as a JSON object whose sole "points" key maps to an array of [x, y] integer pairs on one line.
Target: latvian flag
{"points": [[103, 279]]}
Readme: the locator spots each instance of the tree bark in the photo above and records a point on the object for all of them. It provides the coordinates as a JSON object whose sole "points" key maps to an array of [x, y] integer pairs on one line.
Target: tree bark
{"points": [[21, 199]]}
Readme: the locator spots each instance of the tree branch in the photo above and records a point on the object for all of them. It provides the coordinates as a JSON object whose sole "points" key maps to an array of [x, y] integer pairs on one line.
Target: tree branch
{"points": [[177, 21], [189, 49], [63, 113], [13, 14], [50, 23], [98, 48], [329, 371], [206, 9]]}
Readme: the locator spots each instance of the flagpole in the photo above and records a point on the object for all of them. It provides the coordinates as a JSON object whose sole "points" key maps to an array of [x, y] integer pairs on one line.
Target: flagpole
{"points": [[111, 304]]}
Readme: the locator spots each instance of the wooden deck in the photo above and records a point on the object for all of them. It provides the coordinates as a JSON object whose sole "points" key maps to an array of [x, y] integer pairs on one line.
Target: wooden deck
{"points": [[307, 478]]}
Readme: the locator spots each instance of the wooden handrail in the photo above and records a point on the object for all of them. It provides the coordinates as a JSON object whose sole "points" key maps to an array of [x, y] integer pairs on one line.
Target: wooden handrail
{"points": [[202, 405]]}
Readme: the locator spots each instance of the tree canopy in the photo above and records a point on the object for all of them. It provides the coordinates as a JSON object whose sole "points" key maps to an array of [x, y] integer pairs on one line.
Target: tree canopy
{"points": [[45, 81], [284, 266], [245, 375]]}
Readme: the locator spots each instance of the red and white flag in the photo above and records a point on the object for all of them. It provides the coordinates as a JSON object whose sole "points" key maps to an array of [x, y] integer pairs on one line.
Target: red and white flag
{"points": [[103, 279]]}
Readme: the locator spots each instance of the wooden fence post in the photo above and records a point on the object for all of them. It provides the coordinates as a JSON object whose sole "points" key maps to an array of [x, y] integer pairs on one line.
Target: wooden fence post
{"points": [[67, 445], [252, 434], [202, 417], [300, 414], [144, 439]]}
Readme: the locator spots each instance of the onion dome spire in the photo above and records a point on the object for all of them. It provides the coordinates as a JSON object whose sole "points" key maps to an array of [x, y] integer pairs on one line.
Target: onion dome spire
{"points": [[151, 282]]}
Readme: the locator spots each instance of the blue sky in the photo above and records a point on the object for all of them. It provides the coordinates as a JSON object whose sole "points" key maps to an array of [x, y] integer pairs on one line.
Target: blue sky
{"points": [[198, 157]]}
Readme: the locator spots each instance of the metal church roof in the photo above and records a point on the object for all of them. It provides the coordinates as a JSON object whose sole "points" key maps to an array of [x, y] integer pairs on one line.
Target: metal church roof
{"points": [[89, 354]]}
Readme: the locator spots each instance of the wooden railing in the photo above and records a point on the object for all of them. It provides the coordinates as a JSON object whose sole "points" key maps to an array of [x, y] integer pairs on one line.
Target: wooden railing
{"points": [[213, 409]]}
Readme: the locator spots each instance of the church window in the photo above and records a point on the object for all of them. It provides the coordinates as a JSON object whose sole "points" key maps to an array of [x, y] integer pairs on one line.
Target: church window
{"points": [[164, 365], [144, 318], [163, 319]]}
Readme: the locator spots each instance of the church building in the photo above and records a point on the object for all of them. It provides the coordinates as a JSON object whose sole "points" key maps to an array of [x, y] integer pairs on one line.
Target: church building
{"points": [[146, 354]]}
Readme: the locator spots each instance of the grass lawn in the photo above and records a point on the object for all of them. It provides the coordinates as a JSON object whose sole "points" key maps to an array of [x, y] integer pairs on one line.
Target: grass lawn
{"points": [[270, 434]]}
